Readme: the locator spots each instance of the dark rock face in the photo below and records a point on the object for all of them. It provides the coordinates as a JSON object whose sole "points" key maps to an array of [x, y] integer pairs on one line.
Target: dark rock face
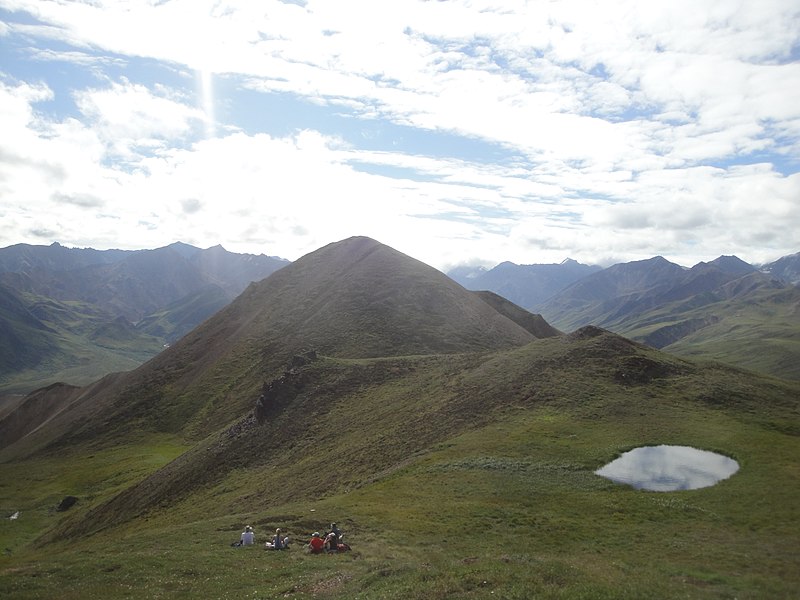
{"points": [[284, 388], [638, 370], [260, 411], [301, 360], [586, 332], [66, 503]]}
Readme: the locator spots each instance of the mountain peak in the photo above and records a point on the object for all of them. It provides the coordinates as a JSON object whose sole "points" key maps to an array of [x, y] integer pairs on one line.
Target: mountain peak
{"points": [[185, 250], [733, 265], [351, 299], [360, 298]]}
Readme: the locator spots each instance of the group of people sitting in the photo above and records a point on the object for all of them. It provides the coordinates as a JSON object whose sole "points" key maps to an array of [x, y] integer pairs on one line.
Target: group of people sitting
{"points": [[278, 541], [329, 542]]}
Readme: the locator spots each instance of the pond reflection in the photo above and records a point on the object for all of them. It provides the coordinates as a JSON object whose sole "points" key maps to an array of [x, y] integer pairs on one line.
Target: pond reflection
{"points": [[669, 468]]}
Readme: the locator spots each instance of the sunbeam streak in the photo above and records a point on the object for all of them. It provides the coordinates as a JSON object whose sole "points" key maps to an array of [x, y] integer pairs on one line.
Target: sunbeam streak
{"points": [[207, 99]]}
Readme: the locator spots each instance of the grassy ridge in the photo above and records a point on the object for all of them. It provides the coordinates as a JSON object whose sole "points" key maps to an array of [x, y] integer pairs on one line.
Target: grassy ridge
{"points": [[757, 330], [455, 476], [355, 298]]}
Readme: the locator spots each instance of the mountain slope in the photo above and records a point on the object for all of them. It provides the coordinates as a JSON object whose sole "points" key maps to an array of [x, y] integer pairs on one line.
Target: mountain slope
{"points": [[24, 258], [351, 299], [329, 421], [45, 341], [437, 451], [786, 268], [627, 291], [752, 322], [75, 293], [234, 272], [605, 296], [535, 324], [143, 281], [406, 306], [178, 318], [25, 339], [37, 408], [721, 310]]}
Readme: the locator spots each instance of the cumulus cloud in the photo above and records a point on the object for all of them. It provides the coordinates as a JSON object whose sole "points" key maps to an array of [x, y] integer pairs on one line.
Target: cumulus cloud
{"points": [[635, 128], [126, 116]]}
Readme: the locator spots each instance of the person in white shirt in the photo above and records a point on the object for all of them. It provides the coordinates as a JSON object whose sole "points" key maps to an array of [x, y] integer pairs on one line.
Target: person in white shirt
{"points": [[248, 536]]}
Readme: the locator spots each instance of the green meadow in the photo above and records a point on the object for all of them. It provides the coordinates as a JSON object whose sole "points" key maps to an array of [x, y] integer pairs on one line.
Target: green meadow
{"points": [[504, 505]]}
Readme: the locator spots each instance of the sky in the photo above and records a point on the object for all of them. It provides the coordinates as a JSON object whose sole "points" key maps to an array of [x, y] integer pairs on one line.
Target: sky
{"points": [[458, 132]]}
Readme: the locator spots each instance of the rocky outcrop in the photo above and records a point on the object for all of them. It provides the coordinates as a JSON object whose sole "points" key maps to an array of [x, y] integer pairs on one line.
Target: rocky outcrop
{"points": [[277, 392], [66, 503]]}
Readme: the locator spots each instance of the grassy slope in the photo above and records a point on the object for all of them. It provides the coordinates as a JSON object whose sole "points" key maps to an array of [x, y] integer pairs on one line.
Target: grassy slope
{"points": [[86, 363], [757, 322], [762, 332], [81, 346], [179, 318], [355, 298], [454, 476]]}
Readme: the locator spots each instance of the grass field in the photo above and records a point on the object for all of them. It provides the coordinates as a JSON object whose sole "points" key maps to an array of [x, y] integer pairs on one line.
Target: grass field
{"points": [[511, 509]]}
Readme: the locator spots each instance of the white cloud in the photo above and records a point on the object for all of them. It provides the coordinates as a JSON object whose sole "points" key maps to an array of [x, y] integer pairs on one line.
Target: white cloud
{"points": [[24, 160], [127, 115], [677, 56], [72, 56], [624, 116]]}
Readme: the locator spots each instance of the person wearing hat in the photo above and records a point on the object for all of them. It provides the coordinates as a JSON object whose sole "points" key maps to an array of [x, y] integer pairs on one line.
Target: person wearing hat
{"points": [[335, 531], [316, 543], [248, 536]]}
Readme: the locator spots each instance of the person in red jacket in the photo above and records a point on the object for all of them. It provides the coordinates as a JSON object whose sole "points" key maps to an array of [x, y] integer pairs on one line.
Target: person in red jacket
{"points": [[316, 543]]}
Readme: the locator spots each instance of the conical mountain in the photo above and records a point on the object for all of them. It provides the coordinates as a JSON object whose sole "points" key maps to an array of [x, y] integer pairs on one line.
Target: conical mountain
{"points": [[356, 298], [352, 299], [360, 298]]}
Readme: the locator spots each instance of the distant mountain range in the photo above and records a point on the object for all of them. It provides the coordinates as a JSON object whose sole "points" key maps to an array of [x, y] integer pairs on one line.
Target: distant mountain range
{"points": [[69, 314], [525, 285], [725, 309], [76, 314]]}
